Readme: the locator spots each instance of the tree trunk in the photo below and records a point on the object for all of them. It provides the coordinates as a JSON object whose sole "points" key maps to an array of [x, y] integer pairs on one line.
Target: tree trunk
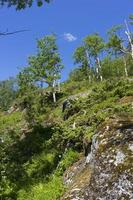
{"points": [[101, 78], [125, 66], [74, 125], [54, 92], [98, 68], [98, 62], [130, 41], [54, 97], [127, 32], [88, 59], [97, 72], [89, 65], [89, 79], [59, 86]]}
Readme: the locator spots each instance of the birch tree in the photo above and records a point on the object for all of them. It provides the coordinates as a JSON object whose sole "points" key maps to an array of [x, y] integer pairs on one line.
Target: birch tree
{"points": [[95, 46], [116, 45], [129, 37], [46, 66], [81, 57]]}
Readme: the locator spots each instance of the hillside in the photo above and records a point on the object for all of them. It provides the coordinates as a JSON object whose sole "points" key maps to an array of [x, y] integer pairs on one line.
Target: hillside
{"points": [[66, 100], [48, 154]]}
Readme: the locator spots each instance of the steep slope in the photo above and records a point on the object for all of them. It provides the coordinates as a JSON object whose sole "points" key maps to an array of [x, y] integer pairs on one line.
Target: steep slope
{"points": [[107, 172], [35, 160]]}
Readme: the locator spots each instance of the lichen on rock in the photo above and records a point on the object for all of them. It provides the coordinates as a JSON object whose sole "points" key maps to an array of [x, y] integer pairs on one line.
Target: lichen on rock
{"points": [[108, 170]]}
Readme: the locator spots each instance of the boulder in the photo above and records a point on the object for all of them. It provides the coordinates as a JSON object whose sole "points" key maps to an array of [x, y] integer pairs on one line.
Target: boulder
{"points": [[107, 172]]}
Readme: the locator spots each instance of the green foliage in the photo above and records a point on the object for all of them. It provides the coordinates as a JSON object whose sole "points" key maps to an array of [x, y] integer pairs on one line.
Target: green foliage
{"points": [[71, 111], [88, 55], [69, 157], [81, 57], [122, 88], [9, 134], [115, 42], [77, 75], [10, 120], [50, 145], [121, 109], [28, 159], [131, 18], [38, 142], [25, 80], [94, 44], [117, 56], [48, 191], [21, 4], [8, 90], [53, 188], [34, 104], [40, 165], [129, 61], [112, 68], [74, 87], [44, 67]]}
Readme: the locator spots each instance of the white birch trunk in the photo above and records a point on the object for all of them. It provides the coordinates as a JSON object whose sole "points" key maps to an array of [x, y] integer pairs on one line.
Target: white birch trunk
{"points": [[88, 62], [88, 59], [98, 68], [54, 97], [54, 92], [125, 66], [101, 78], [127, 32], [98, 63], [59, 86], [74, 125]]}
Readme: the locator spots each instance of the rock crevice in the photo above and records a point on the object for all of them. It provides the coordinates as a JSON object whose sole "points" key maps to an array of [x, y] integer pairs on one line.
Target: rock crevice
{"points": [[107, 172]]}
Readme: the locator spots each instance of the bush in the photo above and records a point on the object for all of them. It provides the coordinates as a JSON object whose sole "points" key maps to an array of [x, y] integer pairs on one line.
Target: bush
{"points": [[51, 190]]}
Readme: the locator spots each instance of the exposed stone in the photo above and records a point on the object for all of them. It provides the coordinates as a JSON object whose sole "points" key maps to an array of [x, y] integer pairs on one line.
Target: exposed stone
{"points": [[119, 158], [130, 147], [126, 99], [107, 173]]}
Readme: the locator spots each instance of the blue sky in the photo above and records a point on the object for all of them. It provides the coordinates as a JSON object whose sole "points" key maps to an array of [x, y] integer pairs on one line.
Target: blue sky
{"points": [[76, 18]]}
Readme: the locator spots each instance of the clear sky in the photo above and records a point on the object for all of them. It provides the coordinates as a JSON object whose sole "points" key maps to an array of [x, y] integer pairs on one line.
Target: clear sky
{"points": [[71, 20]]}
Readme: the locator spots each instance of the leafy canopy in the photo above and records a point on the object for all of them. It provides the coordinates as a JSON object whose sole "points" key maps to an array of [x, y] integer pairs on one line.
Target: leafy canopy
{"points": [[46, 65], [94, 44], [22, 4]]}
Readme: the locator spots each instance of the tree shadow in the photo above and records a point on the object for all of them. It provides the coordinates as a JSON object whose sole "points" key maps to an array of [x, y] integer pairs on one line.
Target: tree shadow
{"points": [[22, 151]]}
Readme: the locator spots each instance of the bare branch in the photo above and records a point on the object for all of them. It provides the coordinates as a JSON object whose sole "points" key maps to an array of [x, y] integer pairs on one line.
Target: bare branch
{"points": [[124, 51], [11, 33]]}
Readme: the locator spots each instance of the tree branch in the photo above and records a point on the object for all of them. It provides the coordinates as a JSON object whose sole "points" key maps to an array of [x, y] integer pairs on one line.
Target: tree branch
{"points": [[124, 51], [11, 33]]}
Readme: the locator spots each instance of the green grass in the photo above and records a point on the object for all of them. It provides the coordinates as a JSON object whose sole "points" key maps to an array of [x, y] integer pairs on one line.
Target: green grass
{"points": [[53, 187], [48, 191], [41, 157]]}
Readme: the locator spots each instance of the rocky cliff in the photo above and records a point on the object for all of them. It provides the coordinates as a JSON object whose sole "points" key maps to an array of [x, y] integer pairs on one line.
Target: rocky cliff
{"points": [[107, 172]]}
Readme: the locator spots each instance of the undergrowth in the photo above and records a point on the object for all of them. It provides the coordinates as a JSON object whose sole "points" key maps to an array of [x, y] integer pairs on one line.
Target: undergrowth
{"points": [[33, 165]]}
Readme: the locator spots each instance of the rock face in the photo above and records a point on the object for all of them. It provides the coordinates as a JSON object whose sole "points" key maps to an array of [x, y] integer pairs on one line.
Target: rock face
{"points": [[107, 173]]}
